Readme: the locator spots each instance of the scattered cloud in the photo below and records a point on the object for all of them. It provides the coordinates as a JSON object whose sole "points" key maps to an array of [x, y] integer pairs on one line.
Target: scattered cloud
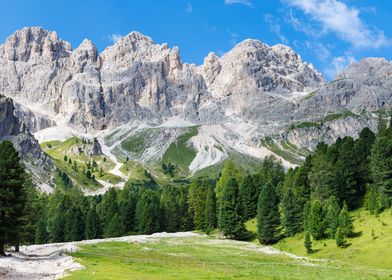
{"points": [[189, 8], [275, 28], [322, 51], [242, 2], [114, 37], [336, 17], [338, 64], [233, 37]]}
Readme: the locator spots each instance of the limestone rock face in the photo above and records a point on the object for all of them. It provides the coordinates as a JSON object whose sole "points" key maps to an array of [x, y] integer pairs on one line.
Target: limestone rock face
{"points": [[263, 90], [14, 130]]}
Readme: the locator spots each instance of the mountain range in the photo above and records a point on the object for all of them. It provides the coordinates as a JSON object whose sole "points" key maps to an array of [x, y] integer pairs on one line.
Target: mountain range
{"points": [[142, 103]]}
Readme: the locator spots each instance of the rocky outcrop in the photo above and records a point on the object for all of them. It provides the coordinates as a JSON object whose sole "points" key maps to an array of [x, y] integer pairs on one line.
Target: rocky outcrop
{"points": [[14, 130]]}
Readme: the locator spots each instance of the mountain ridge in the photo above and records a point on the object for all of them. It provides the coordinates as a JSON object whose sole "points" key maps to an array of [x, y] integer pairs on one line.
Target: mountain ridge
{"points": [[254, 100]]}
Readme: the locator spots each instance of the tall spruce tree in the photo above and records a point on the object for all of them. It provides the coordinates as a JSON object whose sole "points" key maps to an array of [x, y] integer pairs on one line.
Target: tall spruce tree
{"points": [[381, 167], [268, 217], [196, 200], [345, 221], [148, 212], [12, 195], [210, 209], [292, 213], [249, 195], [93, 224], [170, 209], [230, 221], [317, 220], [127, 201], [332, 216], [229, 171]]}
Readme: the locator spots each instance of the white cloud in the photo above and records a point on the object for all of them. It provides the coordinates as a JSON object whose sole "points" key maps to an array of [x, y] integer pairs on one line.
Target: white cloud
{"points": [[189, 8], [243, 2], [115, 37], [322, 51], [338, 64], [275, 28], [335, 16]]}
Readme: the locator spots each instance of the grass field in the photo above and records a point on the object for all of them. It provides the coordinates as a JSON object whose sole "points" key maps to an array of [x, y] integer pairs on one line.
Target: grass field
{"points": [[365, 250], [201, 258]]}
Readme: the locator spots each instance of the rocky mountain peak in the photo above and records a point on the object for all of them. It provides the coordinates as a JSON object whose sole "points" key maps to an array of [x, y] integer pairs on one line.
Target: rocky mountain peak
{"points": [[34, 43]]}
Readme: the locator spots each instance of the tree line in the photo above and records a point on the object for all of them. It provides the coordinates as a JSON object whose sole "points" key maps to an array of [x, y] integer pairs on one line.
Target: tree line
{"points": [[314, 198]]}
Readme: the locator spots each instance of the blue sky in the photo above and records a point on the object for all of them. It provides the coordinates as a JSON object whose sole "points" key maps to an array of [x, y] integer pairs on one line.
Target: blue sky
{"points": [[327, 33]]}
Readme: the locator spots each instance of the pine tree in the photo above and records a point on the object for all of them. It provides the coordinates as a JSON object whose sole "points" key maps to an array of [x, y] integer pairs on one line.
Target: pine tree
{"points": [[210, 209], [268, 217], [196, 200], [12, 195], [381, 168], [249, 196], [127, 206], [170, 209], [321, 176], [307, 209], [230, 221], [148, 212], [340, 238], [57, 233], [74, 225], [345, 222], [292, 214], [107, 209], [332, 216], [41, 233], [316, 220], [114, 227], [93, 224], [308, 243], [229, 171]]}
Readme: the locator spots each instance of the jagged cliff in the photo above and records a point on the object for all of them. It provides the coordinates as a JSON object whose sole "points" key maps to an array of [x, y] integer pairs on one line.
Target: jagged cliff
{"points": [[14, 130], [252, 93]]}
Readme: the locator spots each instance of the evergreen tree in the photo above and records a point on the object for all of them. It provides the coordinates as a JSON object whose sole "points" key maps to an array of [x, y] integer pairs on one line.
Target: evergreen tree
{"points": [[210, 209], [147, 212], [316, 220], [321, 176], [362, 152], [268, 221], [114, 227], [12, 195], [57, 233], [307, 209], [229, 171], [108, 208], [249, 195], [345, 176], [332, 216], [197, 198], [230, 221], [308, 243], [127, 201], [74, 225], [41, 234], [93, 224], [170, 209], [340, 238], [292, 214], [381, 168], [345, 222]]}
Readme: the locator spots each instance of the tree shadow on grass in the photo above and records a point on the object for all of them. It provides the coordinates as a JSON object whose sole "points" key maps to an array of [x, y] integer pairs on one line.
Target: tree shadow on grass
{"points": [[356, 234]]}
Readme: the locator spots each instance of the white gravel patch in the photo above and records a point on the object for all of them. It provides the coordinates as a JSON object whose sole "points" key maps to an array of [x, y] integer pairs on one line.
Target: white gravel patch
{"points": [[51, 261]]}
